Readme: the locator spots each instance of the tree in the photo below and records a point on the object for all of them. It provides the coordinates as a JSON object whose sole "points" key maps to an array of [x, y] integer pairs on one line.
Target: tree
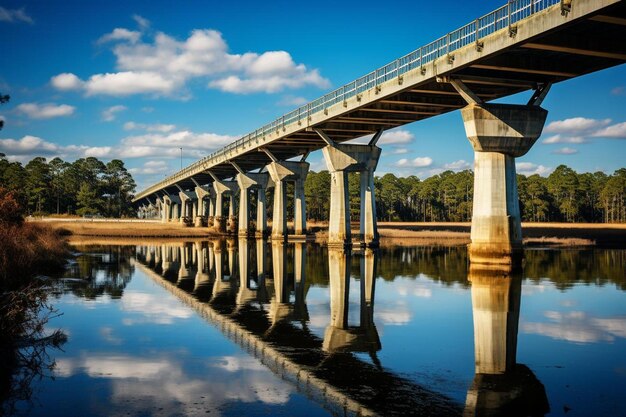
{"points": [[118, 186], [87, 200], [37, 185]]}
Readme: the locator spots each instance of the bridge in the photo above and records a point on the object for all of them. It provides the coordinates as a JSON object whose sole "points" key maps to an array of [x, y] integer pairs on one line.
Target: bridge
{"points": [[526, 45]]}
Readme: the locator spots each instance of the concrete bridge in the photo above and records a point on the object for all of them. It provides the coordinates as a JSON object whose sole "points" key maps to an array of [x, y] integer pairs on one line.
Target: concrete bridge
{"points": [[524, 45]]}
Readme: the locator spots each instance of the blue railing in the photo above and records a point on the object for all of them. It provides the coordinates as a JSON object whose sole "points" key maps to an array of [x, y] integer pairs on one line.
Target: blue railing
{"points": [[504, 17]]}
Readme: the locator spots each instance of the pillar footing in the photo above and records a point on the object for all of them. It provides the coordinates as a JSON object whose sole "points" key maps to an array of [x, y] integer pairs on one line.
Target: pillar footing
{"points": [[495, 254]]}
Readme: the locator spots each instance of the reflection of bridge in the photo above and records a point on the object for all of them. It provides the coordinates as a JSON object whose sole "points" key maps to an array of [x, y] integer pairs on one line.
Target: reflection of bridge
{"points": [[526, 44], [264, 310]]}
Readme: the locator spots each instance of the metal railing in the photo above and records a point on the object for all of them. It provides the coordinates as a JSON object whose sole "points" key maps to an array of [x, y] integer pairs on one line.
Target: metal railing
{"points": [[504, 17]]}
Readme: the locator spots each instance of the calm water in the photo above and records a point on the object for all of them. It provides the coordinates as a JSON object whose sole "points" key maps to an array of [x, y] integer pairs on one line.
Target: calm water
{"points": [[229, 329]]}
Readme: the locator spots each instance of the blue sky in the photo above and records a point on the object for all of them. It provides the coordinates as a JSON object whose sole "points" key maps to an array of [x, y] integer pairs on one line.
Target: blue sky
{"points": [[137, 80]]}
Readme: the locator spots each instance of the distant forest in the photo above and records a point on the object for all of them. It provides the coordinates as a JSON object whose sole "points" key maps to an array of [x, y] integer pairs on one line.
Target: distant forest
{"points": [[88, 186]]}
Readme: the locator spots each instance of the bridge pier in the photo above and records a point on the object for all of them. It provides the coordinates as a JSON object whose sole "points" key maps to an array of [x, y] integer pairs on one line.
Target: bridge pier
{"points": [[247, 182], [341, 159], [499, 133], [281, 172], [187, 205], [222, 187], [202, 194]]}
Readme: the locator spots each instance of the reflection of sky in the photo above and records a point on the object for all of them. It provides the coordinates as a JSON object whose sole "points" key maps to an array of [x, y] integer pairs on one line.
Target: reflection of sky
{"points": [[149, 353], [168, 362]]}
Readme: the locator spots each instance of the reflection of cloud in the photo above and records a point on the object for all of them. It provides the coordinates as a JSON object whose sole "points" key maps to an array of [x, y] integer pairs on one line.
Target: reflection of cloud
{"points": [[530, 289], [392, 316], [576, 326], [237, 363], [166, 385], [107, 334], [153, 308]]}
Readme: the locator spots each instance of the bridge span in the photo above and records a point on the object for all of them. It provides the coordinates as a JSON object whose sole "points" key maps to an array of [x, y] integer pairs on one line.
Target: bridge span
{"points": [[524, 45]]}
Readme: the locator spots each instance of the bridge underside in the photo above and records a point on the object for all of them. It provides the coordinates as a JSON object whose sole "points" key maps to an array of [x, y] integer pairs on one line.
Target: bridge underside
{"points": [[553, 45], [589, 45]]}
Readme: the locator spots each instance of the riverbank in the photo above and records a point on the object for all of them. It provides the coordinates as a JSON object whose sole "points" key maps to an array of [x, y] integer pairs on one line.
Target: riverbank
{"points": [[391, 233]]}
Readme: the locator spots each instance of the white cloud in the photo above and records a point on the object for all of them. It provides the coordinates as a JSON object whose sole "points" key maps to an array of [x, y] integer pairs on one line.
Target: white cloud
{"points": [[164, 66], [14, 15], [108, 115], [564, 139], [27, 145], [419, 162], [185, 139], [399, 151], [459, 165], [565, 151], [152, 168], [147, 109], [618, 91], [142, 22], [576, 125], [120, 34], [45, 111], [528, 168], [157, 127], [289, 100], [614, 131], [66, 81], [395, 137], [129, 82]]}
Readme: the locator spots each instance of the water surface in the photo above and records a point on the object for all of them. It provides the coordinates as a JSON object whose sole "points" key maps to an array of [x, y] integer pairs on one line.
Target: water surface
{"points": [[251, 328]]}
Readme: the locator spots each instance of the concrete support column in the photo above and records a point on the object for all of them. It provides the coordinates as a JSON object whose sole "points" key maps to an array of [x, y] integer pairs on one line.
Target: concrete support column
{"points": [[280, 173], [247, 182], [299, 218], [499, 133], [342, 159], [261, 213], [368, 225], [220, 188], [231, 226]]}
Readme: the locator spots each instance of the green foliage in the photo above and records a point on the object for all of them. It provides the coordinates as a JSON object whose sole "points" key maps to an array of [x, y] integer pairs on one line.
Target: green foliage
{"points": [[86, 186], [563, 196]]}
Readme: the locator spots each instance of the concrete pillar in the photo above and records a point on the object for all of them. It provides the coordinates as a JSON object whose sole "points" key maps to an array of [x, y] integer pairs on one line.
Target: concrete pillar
{"points": [[246, 182], [299, 218], [342, 159], [261, 213], [499, 133], [221, 187], [187, 200], [280, 173]]}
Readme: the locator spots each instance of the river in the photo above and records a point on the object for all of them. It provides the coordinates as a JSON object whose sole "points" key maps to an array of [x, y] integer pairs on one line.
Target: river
{"points": [[233, 328]]}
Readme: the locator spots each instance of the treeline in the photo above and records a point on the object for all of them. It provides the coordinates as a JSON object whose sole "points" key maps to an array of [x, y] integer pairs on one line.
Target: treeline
{"points": [[563, 196], [86, 186]]}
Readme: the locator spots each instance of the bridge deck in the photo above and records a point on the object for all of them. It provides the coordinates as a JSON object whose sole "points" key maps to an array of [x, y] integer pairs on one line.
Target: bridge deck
{"points": [[513, 49]]}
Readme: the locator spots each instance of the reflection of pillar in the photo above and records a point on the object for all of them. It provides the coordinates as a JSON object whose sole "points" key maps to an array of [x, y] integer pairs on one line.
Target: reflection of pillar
{"points": [[339, 335], [495, 306], [202, 274], [232, 259], [245, 294], [261, 269], [500, 386], [339, 282], [499, 133], [368, 281], [342, 159], [279, 262]]}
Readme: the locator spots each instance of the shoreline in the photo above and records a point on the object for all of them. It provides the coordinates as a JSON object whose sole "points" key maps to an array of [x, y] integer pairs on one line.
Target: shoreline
{"points": [[391, 233]]}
